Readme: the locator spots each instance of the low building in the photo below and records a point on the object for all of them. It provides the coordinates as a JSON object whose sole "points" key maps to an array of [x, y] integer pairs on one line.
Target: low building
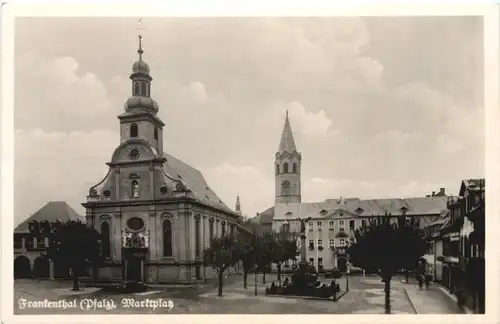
{"points": [[30, 243]]}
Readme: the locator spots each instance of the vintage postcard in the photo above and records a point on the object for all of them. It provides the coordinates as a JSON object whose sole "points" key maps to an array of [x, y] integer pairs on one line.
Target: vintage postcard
{"points": [[169, 162]]}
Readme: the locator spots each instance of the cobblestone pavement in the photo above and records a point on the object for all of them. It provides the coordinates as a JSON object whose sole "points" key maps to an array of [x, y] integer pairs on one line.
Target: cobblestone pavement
{"points": [[364, 297]]}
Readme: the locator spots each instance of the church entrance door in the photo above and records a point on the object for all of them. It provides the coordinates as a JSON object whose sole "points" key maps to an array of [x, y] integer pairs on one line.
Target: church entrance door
{"points": [[134, 264], [342, 263], [134, 268]]}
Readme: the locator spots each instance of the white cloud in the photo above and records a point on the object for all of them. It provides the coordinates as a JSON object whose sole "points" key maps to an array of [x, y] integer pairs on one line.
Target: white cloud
{"points": [[58, 166], [255, 187], [369, 116]]}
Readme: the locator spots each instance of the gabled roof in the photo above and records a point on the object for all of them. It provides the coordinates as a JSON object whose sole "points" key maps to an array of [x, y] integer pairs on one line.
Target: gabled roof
{"points": [[194, 181], [287, 143], [52, 211]]}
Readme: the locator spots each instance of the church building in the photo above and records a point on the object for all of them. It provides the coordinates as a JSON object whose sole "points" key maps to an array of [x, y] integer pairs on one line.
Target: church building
{"points": [[156, 213], [333, 221]]}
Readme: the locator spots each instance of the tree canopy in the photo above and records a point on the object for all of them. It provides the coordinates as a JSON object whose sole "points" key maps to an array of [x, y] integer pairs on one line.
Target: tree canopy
{"points": [[76, 245]]}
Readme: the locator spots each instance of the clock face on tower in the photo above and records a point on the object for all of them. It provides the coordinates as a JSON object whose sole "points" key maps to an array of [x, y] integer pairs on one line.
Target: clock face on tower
{"points": [[134, 153]]}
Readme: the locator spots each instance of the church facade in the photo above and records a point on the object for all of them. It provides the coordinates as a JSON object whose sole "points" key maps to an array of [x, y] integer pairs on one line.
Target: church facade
{"points": [[156, 213], [332, 222]]}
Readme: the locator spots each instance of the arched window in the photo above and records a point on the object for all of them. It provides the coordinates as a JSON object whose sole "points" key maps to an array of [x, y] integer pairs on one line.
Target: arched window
{"points": [[277, 169], [285, 167], [285, 187], [133, 130], [197, 238], [148, 88], [211, 232], [223, 229], [143, 89], [136, 89], [105, 233], [167, 238], [134, 189], [155, 133], [294, 167]]}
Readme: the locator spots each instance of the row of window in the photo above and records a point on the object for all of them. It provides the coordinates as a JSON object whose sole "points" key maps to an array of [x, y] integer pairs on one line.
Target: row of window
{"points": [[331, 225], [331, 242], [285, 168], [134, 131], [141, 89], [29, 242]]}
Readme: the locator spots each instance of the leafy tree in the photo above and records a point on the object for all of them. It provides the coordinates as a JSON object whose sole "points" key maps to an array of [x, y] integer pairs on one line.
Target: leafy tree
{"points": [[264, 257], [283, 247], [246, 253], [222, 254], [77, 246], [387, 247]]}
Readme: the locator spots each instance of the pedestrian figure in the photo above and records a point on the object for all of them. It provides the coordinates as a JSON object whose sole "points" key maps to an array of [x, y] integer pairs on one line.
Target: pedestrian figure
{"points": [[428, 275], [420, 274]]}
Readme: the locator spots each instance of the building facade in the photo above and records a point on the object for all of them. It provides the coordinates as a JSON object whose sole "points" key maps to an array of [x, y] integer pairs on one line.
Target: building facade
{"points": [[31, 239], [156, 213], [333, 221]]}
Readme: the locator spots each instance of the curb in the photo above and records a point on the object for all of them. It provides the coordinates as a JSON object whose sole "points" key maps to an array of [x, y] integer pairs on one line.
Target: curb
{"points": [[452, 297], [411, 301]]}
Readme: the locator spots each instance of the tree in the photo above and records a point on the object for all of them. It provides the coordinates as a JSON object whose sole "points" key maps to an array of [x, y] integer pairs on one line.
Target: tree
{"points": [[387, 247], [246, 253], [221, 255], [264, 248], [283, 247], [77, 246]]}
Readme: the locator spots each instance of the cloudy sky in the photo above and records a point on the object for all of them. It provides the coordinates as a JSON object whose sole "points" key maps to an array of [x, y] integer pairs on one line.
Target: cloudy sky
{"points": [[380, 107]]}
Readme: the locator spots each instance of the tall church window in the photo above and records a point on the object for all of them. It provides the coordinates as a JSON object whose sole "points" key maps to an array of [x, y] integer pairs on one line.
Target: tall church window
{"points": [[294, 167], [211, 231], [285, 167], [136, 89], [133, 130], [285, 187], [148, 89], [197, 238], [143, 89], [167, 238], [223, 228], [134, 188], [155, 133], [105, 233], [277, 169]]}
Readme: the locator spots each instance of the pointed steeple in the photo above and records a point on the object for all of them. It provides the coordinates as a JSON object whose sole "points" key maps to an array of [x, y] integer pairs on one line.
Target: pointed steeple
{"points": [[238, 205], [287, 144]]}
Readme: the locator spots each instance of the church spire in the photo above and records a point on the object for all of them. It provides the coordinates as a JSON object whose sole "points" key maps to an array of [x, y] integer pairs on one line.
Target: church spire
{"points": [[287, 144], [238, 205]]}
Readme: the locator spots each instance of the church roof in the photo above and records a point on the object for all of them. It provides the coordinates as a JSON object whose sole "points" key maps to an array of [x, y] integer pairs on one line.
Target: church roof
{"points": [[194, 181], [266, 217], [287, 143], [52, 211], [363, 207]]}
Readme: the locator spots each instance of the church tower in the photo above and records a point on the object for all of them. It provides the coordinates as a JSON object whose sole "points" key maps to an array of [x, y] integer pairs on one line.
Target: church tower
{"points": [[238, 204], [140, 120], [288, 166]]}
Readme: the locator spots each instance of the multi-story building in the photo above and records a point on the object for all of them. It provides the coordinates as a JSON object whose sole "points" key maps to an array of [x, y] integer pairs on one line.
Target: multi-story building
{"points": [[333, 221], [31, 241]]}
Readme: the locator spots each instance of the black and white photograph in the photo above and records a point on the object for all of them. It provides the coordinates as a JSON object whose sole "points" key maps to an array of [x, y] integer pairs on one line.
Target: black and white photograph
{"points": [[249, 165]]}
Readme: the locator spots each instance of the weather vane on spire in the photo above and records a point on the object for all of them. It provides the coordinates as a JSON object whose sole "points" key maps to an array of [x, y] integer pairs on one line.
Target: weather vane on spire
{"points": [[139, 34]]}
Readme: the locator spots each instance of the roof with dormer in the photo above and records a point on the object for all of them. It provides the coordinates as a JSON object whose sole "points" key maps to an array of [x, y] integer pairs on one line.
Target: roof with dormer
{"points": [[52, 211], [362, 207]]}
